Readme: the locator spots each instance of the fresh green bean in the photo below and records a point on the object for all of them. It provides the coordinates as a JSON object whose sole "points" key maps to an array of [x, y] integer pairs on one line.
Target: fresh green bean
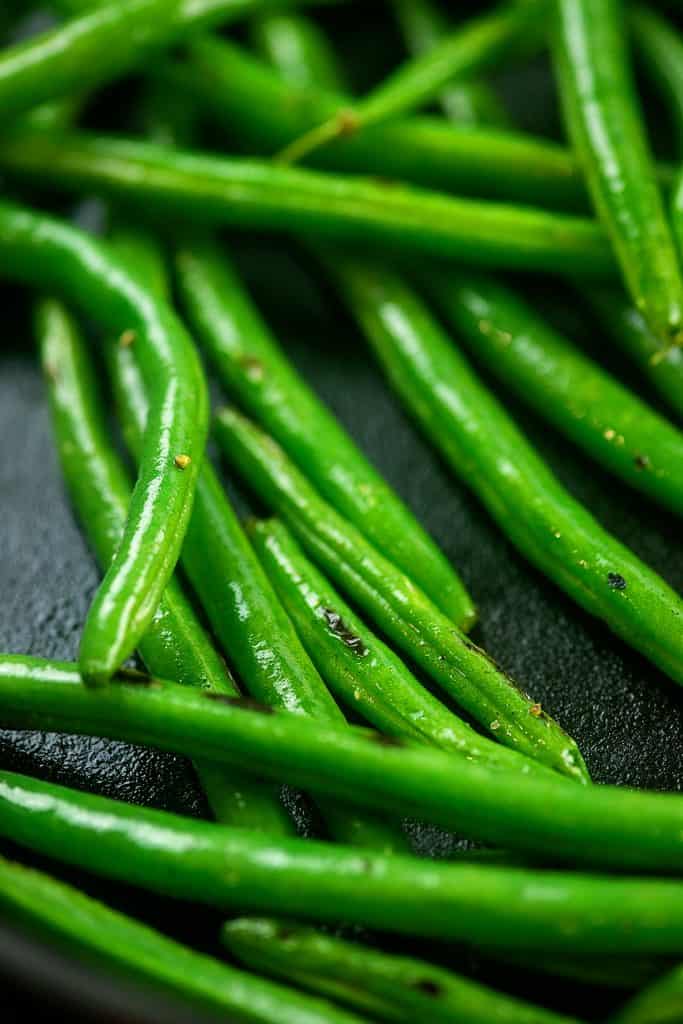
{"points": [[401, 610], [483, 445], [473, 47], [45, 252], [602, 116], [563, 386], [390, 987], [257, 373], [91, 930], [360, 670], [485, 906], [100, 44], [175, 645], [662, 52], [423, 27], [628, 329], [249, 100], [541, 814], [235, 592], [252, 194], [660, 1003], [293, 44]]}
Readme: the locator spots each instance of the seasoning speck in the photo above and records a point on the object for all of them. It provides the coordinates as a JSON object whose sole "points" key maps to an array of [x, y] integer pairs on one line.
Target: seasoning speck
{"points": [[616, 581], [536, 710], [495, 724], [182, 461], [642, 462], [127, 338]]}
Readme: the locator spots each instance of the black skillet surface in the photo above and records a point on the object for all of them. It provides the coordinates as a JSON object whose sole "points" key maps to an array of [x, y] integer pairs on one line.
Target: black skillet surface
{"points": [[625, 715]]}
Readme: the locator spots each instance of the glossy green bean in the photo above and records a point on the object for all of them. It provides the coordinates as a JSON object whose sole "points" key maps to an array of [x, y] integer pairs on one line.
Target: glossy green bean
{"points": [[360, 670], [257, 373], [92, 931], [474, 46], [401, 610], [602, 116], [485, 448], [628, 329], [563, 386], [175, 645], [292, 43], [660, 1003], [252, 194], [467, 102], [390, 987], [249, 100], [541, 814], [100, 44], [48, 253], [236, 594], [662, 52]]}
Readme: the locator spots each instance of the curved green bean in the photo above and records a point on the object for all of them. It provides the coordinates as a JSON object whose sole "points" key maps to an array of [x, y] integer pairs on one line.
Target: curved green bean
{"points": [[401, 610], [390, 987], [423, 27], [100, 44], [293, 44], [662, 52], [249, 100], [45, 252], [660, 1003], [257, 374], [360, 670], [175, 645], [602, 116], [485, 448], [562, 385], [201, 861], [91, 930], [235, 592], [540, 814], [252, 194], [474, 46], [628, 329]]}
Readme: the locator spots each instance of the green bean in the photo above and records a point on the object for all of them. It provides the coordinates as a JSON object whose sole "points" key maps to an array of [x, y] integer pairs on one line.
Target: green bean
{"points": [[615, 972], [41, 251], [482, 905], [628, 329], [175, 645], [662, 53], [258, 106], [392, 988], [484, 447], [257, 373], [563, 386], [474, 46], [660, 1003], [101, 44], [599, 825], [360, 670], [253, 194], [92, 931], [423, 27], [401, 610], [235, 592], [292, 43], [601, 113]]}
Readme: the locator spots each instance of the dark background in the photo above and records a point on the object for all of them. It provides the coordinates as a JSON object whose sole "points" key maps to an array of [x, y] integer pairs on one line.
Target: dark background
{"points": [[625, 715]]}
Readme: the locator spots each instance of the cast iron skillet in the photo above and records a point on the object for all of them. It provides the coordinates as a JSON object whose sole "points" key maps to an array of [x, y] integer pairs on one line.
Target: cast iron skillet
{"points": [[625, 715]]}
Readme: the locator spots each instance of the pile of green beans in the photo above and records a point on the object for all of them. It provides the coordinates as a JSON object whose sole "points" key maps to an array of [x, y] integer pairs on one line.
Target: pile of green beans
{"points": [[327, 649]]}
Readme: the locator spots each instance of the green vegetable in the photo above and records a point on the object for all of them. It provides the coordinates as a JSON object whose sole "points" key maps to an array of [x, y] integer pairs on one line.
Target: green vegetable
{"points": [[101, 44], [47, 253], [483, 905], [474, 46], [660, 1003], [392, 988], [361, 671], [293, 44], [423, 27], [485, 448], [175, 645], [401, 610], [563, 386], [603, 119], [257, 373], [628, 329], [662, 52], [92, 931], [248, 193], [600, 825], [239, 601]]}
